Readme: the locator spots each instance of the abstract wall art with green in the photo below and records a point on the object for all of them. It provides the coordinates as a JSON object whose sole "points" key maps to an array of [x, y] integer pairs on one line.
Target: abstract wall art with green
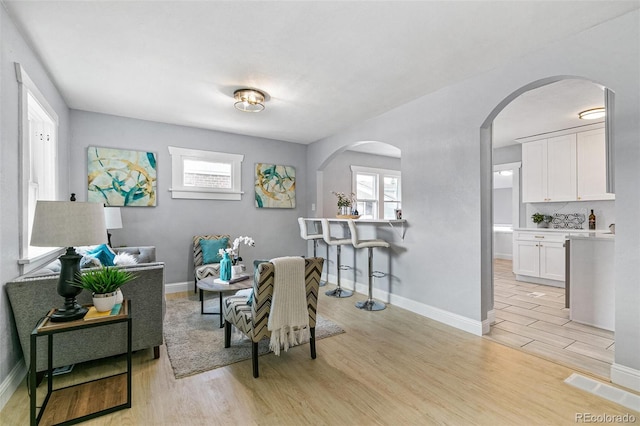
{"points": [[120, 177], [275, 186]]}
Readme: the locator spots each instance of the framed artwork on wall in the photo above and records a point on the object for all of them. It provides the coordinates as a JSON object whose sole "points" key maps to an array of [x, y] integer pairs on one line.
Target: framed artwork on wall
{"points": [[275, 186], [121, 177]]}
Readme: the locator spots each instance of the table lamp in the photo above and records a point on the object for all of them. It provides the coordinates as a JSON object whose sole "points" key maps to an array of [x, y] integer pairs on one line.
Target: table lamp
{"points": [[68, 224], [113, 220]]}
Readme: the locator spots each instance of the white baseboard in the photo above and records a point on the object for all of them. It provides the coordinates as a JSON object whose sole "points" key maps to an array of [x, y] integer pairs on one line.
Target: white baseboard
{"points": [[10, 384], [537, 280], [491, 319], [454, 320], [431, 312], [178, 287], [625, 376]]}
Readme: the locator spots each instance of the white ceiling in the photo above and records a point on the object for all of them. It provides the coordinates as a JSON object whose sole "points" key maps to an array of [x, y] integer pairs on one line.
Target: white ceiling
{"points": [[546, 109], [325, 65]]}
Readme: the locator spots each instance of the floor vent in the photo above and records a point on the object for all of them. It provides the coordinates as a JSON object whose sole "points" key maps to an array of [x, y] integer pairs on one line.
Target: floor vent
{"points": [[619, 396]]}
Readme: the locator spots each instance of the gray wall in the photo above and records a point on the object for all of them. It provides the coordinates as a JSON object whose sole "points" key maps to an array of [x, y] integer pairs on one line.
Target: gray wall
{"points": [[171, 225], [507, 154], [14, 49], [502, 206], [337, 175], [442, 264]]}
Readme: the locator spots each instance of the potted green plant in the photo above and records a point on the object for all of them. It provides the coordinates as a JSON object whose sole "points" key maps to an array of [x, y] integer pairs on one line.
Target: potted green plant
{"points": [[104, 283], [541, 220]]}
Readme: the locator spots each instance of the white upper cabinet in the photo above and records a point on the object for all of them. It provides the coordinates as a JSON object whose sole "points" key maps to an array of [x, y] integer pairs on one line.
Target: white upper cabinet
{"points": [[549, 169], [592, 168], [570, 167], [534, 171], [561, 168]]}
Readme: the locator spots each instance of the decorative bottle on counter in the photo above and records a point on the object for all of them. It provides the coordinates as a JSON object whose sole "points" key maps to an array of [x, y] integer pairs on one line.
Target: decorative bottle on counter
{"points": [[592, 220]]}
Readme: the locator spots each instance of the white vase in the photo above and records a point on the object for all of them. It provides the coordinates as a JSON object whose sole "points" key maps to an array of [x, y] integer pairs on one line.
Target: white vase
{"points": [[119, 297], [104, 302]]}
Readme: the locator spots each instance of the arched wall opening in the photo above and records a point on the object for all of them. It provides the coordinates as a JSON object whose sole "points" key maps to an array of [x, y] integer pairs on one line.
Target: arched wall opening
{"points": [[486, 169], [334, 174]]}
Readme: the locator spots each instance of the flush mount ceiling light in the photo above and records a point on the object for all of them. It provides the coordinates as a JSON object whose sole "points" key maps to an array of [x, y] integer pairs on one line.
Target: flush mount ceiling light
{"points": [[249, 100], [592, 114]]}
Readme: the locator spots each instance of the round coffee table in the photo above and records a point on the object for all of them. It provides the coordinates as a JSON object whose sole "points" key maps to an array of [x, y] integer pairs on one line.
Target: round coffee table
{"points": [[216, 285]]}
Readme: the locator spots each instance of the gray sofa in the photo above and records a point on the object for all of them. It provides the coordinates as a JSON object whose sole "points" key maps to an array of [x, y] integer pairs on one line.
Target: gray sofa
{"points": [[32, 296]]}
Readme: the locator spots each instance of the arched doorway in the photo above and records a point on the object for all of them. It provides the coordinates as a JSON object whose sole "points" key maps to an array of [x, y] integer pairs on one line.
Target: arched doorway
{"points": [[335, 173], [526, 324], [338, 173]]}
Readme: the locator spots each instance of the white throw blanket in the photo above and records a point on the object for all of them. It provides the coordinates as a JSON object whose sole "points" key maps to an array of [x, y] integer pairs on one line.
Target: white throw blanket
{"points": [[289, 317]]}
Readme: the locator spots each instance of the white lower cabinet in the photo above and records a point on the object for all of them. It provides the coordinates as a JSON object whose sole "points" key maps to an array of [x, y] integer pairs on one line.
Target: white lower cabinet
{"points": [[539, 257], [552, 260]]}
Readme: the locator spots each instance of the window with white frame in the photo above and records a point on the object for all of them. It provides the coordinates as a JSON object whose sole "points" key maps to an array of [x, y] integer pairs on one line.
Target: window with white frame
{"points": [[378, 192], [209, 175], [38, 163]]}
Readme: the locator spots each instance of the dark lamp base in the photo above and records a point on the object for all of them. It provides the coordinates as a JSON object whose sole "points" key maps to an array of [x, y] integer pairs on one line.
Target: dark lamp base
{"points": [[66, 314], [69, 271]]}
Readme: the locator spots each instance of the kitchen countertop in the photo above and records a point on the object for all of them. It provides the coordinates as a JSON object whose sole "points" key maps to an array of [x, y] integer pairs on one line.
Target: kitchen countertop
{"points": [[596, 236], [601, 234]]}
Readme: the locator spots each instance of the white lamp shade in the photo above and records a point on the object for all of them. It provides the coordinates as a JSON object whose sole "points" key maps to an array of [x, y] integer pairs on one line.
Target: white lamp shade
{"points": [[112, 218], [68, 224]]}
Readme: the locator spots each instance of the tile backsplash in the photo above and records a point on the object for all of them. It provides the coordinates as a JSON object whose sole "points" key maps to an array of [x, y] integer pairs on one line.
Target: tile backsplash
{"points": [[604, 210]]}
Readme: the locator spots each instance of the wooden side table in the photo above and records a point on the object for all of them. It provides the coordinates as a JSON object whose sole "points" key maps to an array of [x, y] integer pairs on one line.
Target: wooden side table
{"points": [[58, 398], [218, 286]]}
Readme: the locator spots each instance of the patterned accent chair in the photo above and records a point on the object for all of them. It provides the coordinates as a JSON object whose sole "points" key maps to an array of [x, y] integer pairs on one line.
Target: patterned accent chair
{"points": [[252, 320], [201, 271]]}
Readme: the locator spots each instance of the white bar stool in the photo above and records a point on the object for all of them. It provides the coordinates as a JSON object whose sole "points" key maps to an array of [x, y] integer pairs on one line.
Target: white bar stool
{"points": [[338, 242], [369, 304], [304, 234]]}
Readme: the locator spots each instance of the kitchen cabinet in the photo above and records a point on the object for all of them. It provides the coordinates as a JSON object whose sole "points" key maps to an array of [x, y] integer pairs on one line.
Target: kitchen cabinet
{"points": [[549, 169], [569, 167], [591, 166], [539, 257]]}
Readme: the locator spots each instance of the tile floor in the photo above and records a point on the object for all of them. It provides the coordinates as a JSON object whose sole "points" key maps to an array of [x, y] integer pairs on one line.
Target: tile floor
{"points": [[532, 317]]}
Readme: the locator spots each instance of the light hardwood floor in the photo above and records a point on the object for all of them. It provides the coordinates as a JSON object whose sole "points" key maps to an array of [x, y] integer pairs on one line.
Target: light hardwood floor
{"points": [[391, 367], [533, 318]]}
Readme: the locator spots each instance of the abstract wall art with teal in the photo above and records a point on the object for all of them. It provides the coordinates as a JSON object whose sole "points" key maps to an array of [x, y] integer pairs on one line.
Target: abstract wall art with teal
{"points": [[120, 177], [275, 186]]}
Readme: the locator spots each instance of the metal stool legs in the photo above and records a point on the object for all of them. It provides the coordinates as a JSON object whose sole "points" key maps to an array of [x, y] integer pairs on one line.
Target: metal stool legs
{"points": [[339, 291], [370, 304]]}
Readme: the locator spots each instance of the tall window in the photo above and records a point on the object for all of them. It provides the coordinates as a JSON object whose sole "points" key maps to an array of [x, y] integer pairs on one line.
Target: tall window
{"points": [[198, 174], [378, 192], [39, 161]]}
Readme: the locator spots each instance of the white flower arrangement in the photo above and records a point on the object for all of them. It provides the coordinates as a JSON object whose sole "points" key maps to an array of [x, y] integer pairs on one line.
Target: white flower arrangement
{"points": [[234, 250]]}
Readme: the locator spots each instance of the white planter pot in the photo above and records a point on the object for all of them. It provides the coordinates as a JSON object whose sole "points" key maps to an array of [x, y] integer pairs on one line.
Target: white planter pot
{"points": [[119, 297], [104, 302], [237, 270]]}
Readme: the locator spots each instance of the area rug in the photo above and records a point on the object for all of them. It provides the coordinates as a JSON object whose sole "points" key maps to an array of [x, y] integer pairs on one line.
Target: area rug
{"points": [[195, 342]]}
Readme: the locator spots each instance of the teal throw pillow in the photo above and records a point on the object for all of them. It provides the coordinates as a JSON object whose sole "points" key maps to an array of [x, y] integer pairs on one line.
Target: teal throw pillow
{"points": [[210, 249], [104, 254]]}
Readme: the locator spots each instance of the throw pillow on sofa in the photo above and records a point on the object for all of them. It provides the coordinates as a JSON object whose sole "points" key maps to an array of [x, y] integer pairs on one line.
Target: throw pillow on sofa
{"points": [[210, 249], [104, 254], [124, 259]]}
